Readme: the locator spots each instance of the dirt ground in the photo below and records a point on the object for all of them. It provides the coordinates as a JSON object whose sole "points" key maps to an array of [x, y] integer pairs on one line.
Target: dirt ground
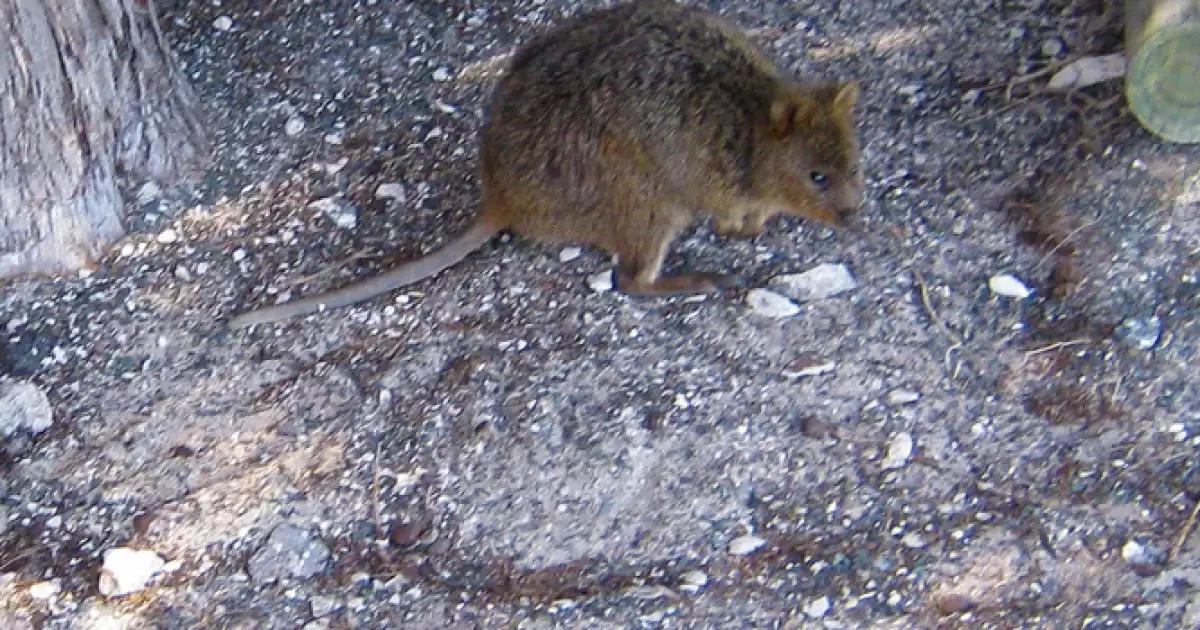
{"points": [[505, 447]]}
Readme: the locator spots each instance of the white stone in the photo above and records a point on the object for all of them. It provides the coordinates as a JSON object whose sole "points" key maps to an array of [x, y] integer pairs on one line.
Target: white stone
{"points": [[902, 397], [167, 236], [1133, 552], [818, 607], [900, 449], [342, 213], [814, 369], [601, 282], [569, 253], [823, 281], [746, 545], [223, 23], [693, 581], [23, 406], [294, 126], [45, 590], [392, 190], [770, 304], [1008, 286], [128, 570], [441, 74]]}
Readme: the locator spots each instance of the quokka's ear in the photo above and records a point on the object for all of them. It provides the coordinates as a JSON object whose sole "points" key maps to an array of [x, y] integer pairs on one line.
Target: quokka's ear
{"points": [[789, 111], [845, 95]]}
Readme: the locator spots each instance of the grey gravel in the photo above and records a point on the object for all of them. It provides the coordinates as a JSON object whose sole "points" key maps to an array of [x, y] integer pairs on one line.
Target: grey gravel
{"points": [[289, 552]]}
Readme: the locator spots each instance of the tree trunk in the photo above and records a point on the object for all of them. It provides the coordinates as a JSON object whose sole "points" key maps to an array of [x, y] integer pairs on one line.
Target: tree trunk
{"points": [[88, 93]]}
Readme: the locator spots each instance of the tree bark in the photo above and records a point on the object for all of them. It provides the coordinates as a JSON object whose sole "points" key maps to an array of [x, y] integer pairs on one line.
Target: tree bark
{"points": [[89, 92]]}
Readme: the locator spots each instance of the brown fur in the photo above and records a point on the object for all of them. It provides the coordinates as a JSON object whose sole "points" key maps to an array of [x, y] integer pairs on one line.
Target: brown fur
{"points": [[621, 127]]}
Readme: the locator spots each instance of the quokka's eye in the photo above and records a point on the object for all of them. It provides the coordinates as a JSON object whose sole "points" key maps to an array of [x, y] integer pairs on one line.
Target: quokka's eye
{"points": [[819, 178]]}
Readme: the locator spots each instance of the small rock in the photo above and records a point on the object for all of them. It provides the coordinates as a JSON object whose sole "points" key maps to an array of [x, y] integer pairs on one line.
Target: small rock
{"points": [[1134, 553], [953, 604], [1008, 286], [1088, 71], [770, 304], [392, 190], [913, 540], [294, 126], [902, 397], [45, 590], [323, 606], [693, 581], [167, 236], [808, 365], [127, 570], [601, 282], [1140, 333], [823, 281], [23, 406], [148, 192], [1052, 47], [746, 545], [899, 451], [817, 608], [290, 551], [441, 74], [569, 253], [223, 23], [343, 213]]}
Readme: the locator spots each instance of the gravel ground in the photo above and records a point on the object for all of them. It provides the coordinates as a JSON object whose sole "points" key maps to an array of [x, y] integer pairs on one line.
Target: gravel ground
{"points": [[507, 447]]}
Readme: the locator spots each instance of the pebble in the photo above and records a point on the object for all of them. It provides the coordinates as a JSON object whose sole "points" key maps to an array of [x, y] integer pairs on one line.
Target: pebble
{"points": [[601, 282], [1008, 286], [441, 74], [771, 304], [223, 23], [391, 190], [343, 213], [167, 236], [823, 281], [1140, 333], [693, 581], [1052, 47], [148, 192], [290, 551], [746, 545], [45, 590], [899, 450], [807, 365], [294, 126], [323, 606], [127, 570], [569, 253], [818, 607], [902, 397], [1134, 552], [913, 540], [23, 406]]}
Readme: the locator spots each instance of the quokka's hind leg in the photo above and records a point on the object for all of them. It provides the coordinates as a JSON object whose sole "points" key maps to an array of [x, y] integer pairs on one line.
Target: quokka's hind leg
{"points": [[640, 266]]}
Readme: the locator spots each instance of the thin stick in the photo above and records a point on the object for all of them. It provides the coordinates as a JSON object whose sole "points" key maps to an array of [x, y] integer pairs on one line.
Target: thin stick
{"points": [[1066, 239], [375, 495], [1057, 345], [1187, 531], [923, 289]]}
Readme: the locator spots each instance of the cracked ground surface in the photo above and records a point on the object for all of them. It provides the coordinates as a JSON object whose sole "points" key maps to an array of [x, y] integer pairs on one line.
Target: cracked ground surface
{"points": [[505, 447]]}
